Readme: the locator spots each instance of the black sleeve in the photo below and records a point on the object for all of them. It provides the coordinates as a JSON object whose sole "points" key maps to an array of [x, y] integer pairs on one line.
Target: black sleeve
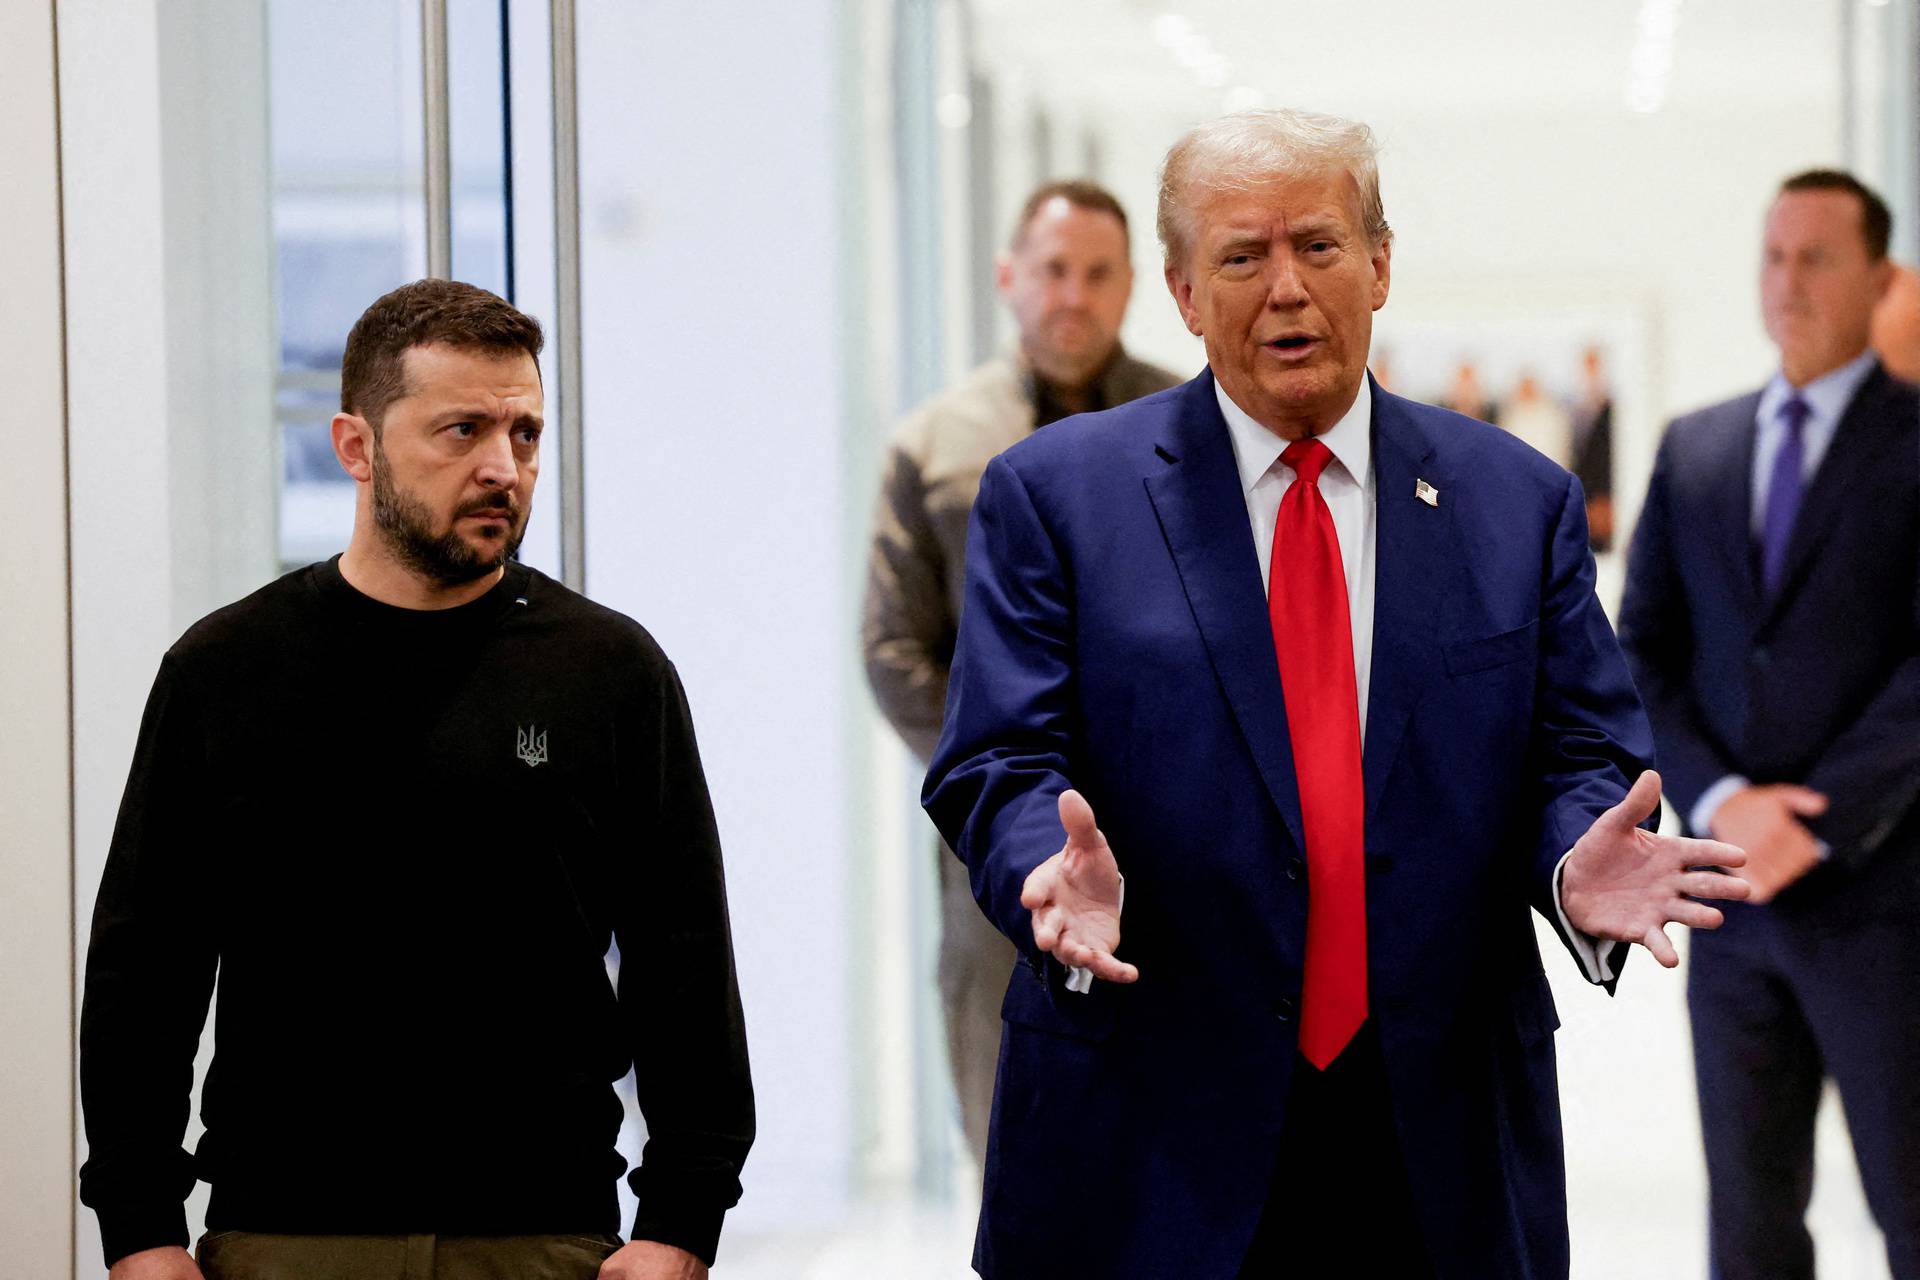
{"points": [[679, 999], [149, 976]]}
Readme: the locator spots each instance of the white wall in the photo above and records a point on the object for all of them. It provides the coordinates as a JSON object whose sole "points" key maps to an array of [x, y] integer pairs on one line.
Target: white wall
{"points": [[169, 362], [715, 504], [36, 940]]}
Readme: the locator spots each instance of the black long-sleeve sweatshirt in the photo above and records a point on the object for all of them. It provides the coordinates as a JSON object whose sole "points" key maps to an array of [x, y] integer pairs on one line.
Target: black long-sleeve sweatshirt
{"points": [[403, 841]]}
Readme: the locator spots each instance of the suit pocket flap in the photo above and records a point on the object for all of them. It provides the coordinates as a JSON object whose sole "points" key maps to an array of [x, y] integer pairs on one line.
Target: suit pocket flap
{"points": [[1048, 1006], [1534, 1015], [1467, 656]]}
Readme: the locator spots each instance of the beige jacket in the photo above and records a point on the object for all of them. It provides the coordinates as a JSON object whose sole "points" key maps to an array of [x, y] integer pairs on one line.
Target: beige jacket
{"points": [[916, 570]]}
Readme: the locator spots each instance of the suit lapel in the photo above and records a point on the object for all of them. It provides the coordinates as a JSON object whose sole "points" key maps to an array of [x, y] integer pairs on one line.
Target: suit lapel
{"points": [[1727, 503], [1203, 516], [1850, 453], [1413, 548]]}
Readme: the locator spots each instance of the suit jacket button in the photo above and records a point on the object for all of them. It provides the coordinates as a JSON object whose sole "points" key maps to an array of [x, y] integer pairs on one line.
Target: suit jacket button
{"points": [[1761, 657], [1283, 1009], [1294, 868]]}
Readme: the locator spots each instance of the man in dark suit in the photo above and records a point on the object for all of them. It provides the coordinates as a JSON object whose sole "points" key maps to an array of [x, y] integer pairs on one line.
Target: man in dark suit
{"points": [[1773, 625], [1333, 794]]}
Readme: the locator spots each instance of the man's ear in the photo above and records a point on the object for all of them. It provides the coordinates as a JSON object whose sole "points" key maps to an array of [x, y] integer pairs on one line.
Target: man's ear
{"points": [[1182, 290], [1382, 273], [1881, 280], [353, 446], [1003, 272]]}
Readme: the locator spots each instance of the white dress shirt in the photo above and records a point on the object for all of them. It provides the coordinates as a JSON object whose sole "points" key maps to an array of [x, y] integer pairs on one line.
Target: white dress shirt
{"points": [[1827, 398], [1347, 484], [1348, 487]]}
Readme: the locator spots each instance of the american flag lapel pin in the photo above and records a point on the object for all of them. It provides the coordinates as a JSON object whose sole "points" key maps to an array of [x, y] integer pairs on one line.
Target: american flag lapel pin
{"points": [[1426, 493]]}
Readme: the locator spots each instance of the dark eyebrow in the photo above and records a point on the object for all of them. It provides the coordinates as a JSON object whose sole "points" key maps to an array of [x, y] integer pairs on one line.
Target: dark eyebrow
{"points": [[465, 415], [471, 414]]}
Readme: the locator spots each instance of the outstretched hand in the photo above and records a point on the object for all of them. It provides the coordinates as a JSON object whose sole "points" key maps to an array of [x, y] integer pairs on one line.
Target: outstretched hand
{"points": [[1075, 897], [1628, 884]]}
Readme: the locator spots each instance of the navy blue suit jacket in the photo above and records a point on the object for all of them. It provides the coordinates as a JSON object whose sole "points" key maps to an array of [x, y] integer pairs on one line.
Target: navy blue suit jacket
{"points": [[1115, 638], [1821, 684]]}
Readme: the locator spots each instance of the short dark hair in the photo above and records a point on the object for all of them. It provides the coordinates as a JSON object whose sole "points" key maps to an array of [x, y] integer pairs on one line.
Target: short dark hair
{"points": [[1876, 220], [426, 312], [1078, 192]]}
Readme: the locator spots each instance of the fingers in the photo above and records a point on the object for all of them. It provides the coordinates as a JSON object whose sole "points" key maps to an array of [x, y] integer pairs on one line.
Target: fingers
{"points": [[1037, 890], [1640, 802], [1709, 853], [1103, 964], [1804, 801], [1712, 884], [1076, 815], [1656, 941], [1695, 915]]}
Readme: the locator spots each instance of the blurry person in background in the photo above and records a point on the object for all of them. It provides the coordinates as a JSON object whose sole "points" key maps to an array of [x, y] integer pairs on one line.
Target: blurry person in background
{"points": [[1896, 325], [401, 802], [1066, 278], [1772, 617], [1320, 672], [1592, 462], [1380, 365], [1539, 419], [1466, 395]]}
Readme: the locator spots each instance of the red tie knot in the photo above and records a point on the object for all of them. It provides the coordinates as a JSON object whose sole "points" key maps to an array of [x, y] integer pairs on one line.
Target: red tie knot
{"points": [[1308, 458]]}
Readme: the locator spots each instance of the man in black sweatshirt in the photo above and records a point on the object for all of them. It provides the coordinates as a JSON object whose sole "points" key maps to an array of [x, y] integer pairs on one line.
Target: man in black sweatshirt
{"points": [[399, 804]]}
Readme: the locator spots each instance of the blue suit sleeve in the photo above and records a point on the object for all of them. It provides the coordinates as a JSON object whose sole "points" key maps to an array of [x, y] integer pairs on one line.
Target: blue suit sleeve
{"points": [[1005, 750], [1871, 773], [1590, 737], [1656, 632]]}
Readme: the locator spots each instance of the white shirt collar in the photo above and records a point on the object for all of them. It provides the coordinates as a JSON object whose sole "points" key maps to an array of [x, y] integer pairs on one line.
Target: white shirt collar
{"points": [[1256, 449], [1827, 396]]}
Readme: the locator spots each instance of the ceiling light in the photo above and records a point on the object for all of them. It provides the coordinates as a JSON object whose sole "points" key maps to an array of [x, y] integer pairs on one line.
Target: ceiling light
{"points": [[1650, 66], [1169, 29]]}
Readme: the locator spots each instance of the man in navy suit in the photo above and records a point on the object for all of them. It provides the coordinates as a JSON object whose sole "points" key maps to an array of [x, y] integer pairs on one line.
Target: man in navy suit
{"points": [[1328, 666], [1772, 622]]}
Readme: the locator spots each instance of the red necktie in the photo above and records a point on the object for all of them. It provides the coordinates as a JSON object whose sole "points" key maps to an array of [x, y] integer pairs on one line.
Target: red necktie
{"points": [[1312, 634]]}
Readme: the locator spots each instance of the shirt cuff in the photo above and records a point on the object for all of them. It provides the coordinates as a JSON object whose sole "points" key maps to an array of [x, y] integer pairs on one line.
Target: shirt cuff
{"points": [[1700, 817], [126, 1229], [1079, 978], [1595, 963], [693, 1228]]}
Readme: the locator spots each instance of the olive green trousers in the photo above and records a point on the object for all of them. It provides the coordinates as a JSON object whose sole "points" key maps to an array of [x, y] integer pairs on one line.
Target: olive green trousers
{"points": [[254, 1255]]}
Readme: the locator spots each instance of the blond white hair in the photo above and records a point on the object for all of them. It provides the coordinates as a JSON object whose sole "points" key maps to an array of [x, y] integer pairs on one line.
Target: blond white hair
{"points": [[1249, 149]]}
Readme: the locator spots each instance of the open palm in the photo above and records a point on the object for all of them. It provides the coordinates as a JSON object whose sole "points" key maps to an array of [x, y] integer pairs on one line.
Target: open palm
{"points": [[1626, 883], [1075, 897]]}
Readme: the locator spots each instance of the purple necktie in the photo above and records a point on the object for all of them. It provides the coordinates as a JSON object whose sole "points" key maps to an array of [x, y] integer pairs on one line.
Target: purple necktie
{"points": [[1783, 496]]}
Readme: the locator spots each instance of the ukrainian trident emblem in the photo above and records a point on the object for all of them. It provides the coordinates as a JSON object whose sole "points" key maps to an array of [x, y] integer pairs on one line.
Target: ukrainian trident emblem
{"points": [[532, 746]]}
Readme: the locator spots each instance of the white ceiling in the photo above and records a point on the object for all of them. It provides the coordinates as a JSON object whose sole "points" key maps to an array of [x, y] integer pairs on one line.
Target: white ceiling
{"points": [[1350, 54]]}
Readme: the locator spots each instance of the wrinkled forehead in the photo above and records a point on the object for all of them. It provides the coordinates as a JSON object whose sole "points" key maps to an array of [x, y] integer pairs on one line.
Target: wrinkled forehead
{"points": [[440, 371], [1318, 196]]}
